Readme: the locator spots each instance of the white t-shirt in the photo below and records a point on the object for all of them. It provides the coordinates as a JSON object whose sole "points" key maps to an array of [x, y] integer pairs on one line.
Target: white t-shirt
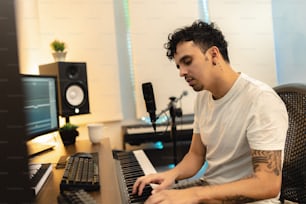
{"points": [[250, 116]]}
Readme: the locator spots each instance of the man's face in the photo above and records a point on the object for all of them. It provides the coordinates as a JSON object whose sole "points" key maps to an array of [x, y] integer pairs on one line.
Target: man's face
{"points": [[193, 65]]}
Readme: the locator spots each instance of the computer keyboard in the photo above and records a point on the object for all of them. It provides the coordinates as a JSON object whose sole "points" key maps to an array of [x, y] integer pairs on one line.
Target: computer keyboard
{"points": [[75, 197], [81, 172]]}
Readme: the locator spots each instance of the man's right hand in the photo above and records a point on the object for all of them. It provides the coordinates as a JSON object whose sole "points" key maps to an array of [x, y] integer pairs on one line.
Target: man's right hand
{"points": [[165, 180]]}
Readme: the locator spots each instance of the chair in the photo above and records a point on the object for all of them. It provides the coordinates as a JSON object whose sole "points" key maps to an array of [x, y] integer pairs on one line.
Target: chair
{"points": [[294, 168]]}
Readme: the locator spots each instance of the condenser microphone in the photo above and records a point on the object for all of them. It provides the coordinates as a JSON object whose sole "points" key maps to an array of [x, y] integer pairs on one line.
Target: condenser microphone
{"points": [[148, 95]]}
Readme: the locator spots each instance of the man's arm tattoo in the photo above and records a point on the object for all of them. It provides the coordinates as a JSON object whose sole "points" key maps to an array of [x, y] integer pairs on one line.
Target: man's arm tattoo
{"points": [[269, 161]]}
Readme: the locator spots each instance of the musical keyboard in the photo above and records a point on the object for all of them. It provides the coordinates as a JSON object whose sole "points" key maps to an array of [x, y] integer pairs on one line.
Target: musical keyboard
{"points": [[130, 166], [138, 132]]}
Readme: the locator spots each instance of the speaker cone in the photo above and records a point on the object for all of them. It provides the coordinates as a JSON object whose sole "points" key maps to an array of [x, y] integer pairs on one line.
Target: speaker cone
{"points": [[75, 95]]}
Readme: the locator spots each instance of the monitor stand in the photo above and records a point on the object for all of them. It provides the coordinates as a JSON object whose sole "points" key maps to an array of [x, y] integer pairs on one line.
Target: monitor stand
{"points": [[37, 148], [41, 144]]}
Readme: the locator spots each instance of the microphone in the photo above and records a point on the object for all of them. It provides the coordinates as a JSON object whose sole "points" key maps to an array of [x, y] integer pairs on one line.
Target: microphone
{"points": [[185, 93], [148, 95], [173, 100]]}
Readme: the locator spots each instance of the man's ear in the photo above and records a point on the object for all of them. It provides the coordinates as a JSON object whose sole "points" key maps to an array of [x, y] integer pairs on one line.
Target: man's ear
{"points": [[214, 52]]}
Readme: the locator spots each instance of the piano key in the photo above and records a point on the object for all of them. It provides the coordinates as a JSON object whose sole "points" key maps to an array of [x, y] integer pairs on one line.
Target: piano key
{"points": [[144, 162], [130, 166]]}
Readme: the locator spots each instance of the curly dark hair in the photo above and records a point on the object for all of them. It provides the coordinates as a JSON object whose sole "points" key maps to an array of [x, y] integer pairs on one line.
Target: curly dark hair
{"points": [[202, 34]]}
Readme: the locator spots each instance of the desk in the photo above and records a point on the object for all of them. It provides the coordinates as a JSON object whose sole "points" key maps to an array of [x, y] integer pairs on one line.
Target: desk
{"points": [[109, 191]]}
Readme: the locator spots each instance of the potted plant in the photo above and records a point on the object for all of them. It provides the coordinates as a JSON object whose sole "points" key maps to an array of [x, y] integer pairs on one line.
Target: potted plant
{"points": [[68, 133], [59, 48]]}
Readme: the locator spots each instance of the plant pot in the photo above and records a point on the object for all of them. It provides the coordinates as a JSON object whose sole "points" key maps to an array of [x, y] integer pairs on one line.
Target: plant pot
{"points": [[68, 137], [59, 56]]}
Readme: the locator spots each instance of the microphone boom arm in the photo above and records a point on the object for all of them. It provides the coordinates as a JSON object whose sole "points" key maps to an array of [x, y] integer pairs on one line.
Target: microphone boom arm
{"points": [[173, 113]]}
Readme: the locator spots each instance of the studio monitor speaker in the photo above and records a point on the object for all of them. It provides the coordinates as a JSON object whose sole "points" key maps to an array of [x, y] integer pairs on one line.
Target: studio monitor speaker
{"points": [[72, 86]]}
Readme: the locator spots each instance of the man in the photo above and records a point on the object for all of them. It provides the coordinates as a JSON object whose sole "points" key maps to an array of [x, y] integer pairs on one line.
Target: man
{"points": [[240, 126]]}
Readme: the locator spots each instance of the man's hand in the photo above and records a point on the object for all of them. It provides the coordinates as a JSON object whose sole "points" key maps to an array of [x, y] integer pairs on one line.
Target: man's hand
{"points": [[165, 180], [185, 196], [172, 196]]}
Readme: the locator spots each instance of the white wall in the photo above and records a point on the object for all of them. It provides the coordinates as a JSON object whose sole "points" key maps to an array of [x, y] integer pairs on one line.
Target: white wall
{"points": [[151, 22], [290, 40], [247, 25], [88, 29]]}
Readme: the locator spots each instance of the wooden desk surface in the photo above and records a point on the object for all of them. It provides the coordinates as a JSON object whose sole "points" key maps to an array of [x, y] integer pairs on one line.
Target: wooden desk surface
{"points": [[109, 191]]}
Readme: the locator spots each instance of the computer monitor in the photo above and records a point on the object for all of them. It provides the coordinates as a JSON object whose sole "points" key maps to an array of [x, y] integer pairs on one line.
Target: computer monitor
{"points": [[40, 108]]}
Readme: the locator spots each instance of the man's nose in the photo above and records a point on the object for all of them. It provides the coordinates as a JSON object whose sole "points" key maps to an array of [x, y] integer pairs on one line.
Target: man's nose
{"points": [[183, 71]]}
